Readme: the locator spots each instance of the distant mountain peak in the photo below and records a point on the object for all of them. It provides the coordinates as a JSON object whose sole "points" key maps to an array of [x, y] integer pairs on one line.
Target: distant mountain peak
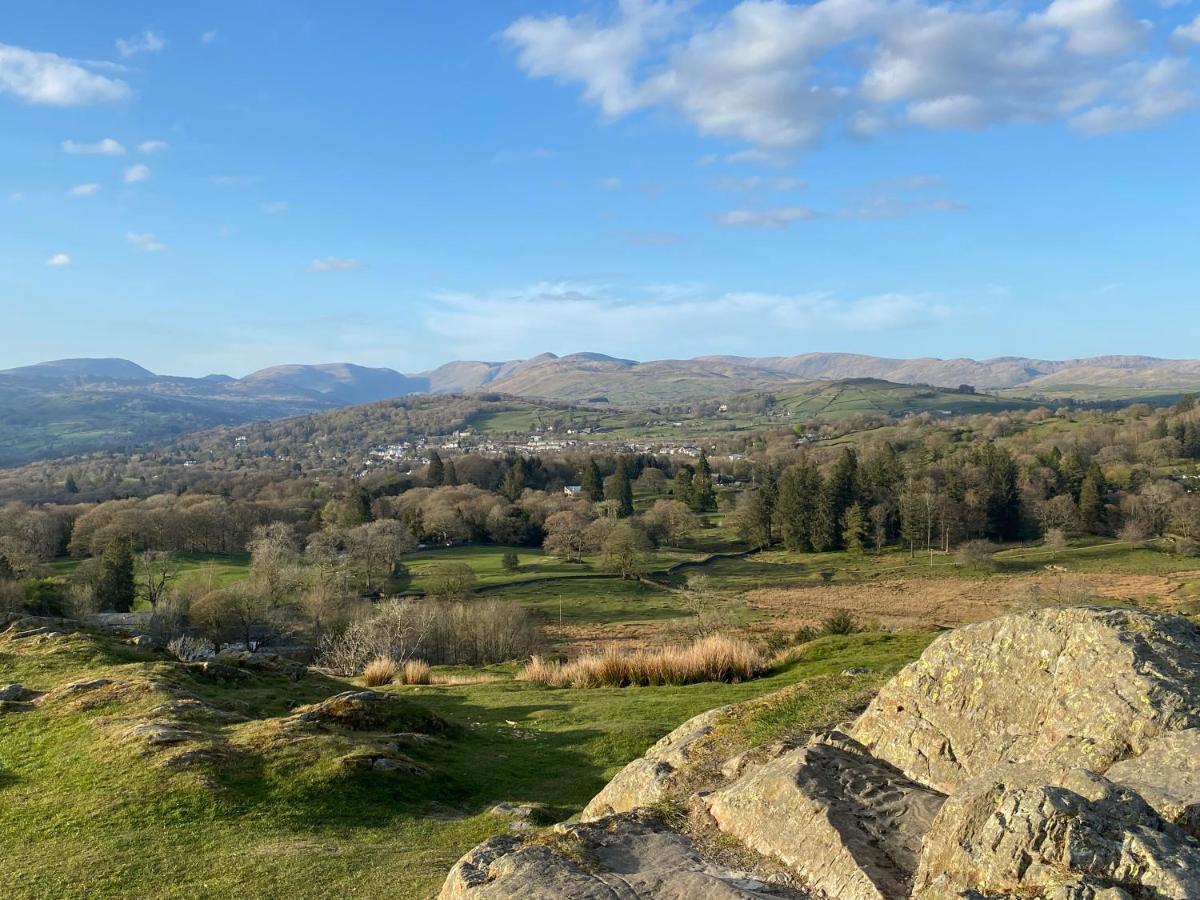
{"points": [[110, 368]]}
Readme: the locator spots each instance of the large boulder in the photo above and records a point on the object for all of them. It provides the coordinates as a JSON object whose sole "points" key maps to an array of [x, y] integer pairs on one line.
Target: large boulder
{"points": [[371, 711], [613, 859], [1067, 688], [646, 780], [1167, 776], [846, 822], [1029, 832]]}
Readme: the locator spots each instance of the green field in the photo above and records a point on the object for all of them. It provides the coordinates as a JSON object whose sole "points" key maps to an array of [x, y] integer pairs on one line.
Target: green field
{"points": [[84, 812]]}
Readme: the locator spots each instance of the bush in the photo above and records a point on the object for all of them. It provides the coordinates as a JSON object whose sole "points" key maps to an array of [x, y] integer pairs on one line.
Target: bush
{"points": [[479, 632], [715, 658], [1186, 546], [381, 670], [417, 671], [510, 562], [806, 633], [977, 555], [841, 622], [46, 597], [12, 596], [188, 648]]}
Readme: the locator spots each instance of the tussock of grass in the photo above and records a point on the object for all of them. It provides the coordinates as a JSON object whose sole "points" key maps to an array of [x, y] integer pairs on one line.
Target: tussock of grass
{"points": [[715, 658], [380, 671], [417, 671]]}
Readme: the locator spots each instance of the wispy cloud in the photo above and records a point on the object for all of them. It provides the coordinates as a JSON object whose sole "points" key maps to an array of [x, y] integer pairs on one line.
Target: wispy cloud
{"points": [[152, 147], [147, 42], [334, 264], [274, 207], [54, 80], [778, 217], [209, 36], [104, 147], [137, 173], [145, 242], [58, 260], [509, 155], [84, 190]]}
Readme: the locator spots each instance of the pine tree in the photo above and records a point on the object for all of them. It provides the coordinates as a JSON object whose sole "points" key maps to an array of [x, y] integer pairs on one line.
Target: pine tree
{"points": [[799, 489], [1091, 499], [703, 498], [71, 486], [854, 529], [451, 474], [435, 475], [620, 489], [513, 484], [824, 532], [682, 489], [591, 483], [114, 581]]}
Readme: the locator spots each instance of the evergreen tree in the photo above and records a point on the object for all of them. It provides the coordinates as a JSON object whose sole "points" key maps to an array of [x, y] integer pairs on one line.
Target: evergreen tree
{"points": [[451, 474], [823, 536], [71, 486], [6, 570], [513, 484], [1003, 501], [799, 489], [682, 488], [359, 506], [854, 529], [755, 516], [114, 580], [620, 489], [1091, 499], [703, 497], [435, 475], [912, 518], [591, 483]]}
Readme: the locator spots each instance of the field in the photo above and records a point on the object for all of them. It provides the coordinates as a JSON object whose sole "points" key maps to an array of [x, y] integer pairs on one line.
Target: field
{"points": [[86, 813]]}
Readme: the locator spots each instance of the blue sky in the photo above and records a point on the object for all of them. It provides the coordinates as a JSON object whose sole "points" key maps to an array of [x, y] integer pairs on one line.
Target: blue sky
{"points": [[221, 187]]}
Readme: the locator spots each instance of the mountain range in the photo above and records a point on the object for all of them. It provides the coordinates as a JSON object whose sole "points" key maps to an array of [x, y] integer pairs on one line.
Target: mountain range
{"points": [[69, 406]]}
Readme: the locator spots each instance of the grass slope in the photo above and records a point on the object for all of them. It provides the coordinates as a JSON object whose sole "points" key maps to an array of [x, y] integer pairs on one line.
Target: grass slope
{"points": [[85, 813]]}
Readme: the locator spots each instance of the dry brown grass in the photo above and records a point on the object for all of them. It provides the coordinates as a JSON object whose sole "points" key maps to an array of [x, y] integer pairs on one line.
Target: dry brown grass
{"points": [[380, 671], [417, 671], [715, 658]]}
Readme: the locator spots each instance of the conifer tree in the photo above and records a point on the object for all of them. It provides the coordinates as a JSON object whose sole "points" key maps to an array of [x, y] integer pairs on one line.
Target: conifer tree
{"points": [[854, 529], [1091, 499], [451, 474], [114, 581], [592, 485], [620, 489], [435, 475], [703, 497], [513, 484], [682, 488]]}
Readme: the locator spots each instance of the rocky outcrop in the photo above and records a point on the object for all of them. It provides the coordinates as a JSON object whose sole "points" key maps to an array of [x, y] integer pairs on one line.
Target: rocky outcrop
{"points": [[621, 859], [1066, 688], [645, 781], [843, 820], [1052, 753], [1167, 776], [1023, 831], [371, 711]]}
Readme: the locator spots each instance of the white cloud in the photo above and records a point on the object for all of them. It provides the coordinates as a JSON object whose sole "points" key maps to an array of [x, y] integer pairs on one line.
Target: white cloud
{"points": [[137, 173], [84, 190], [759, 183], [145, 243], [58, 260], [1148, 95], [146, 42], [54, 80], [274, 207], [105, 147], [334, 264], [1189, 33], [780, 74], [152, 147], [209, 36], [779, 217], [530, 319]]}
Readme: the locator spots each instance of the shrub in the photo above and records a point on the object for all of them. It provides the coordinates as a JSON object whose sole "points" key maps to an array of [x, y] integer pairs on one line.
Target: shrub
{"points": [[841, 622], [46, 597], [977, 555], [12, 596], [716, 658], [381, 670], [479, 632], [417, 671], [806, 633], [510, 562], [187, 647]]}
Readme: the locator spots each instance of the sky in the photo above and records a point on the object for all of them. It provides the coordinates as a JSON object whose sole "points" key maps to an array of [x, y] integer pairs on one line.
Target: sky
{"points": [[224, 186]]}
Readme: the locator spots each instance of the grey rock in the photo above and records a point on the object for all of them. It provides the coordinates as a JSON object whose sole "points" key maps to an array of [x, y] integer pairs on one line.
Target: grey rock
{"points": [[160, 734], [645, 781], [620, 859], [846, 822], [1029, 831], [1167, 776], [1074, 687], [13, 692]]}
